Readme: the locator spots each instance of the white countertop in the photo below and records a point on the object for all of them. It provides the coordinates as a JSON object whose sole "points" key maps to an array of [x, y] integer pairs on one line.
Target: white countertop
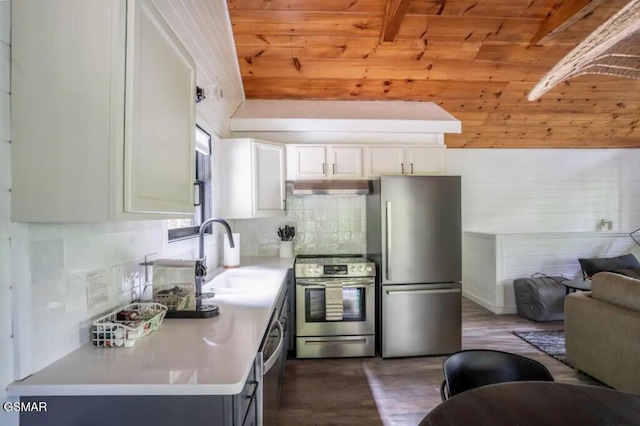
{"points": [[184, 357]]}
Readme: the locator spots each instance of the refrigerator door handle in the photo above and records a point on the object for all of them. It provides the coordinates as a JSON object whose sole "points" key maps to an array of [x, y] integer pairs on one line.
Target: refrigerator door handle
{"points": [[422, 291], [388, 241]]}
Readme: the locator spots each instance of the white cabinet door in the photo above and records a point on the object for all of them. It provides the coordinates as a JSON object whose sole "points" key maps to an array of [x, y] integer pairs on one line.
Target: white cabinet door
{"points": [[269, 181], [114, 135], [421, 160], [310, 162], [159, 151], [384, 161], [252, 179], [345, 162]]}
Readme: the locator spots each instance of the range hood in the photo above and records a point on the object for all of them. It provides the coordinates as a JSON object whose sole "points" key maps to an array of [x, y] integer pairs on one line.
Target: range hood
{"points": [[330, 187]]}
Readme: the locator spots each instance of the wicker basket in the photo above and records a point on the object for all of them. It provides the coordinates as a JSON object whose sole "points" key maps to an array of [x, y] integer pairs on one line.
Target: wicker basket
{"points": [[109, 331]]}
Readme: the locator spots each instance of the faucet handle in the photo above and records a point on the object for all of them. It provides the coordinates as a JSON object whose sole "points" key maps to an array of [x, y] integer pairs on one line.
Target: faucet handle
{"points": [[201, 267]]}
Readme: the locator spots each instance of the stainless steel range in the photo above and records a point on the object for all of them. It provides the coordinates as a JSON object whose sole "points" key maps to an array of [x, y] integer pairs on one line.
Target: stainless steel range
{"points": [[335, 306]]}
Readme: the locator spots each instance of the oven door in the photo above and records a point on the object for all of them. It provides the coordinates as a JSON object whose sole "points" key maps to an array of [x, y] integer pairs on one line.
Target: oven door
{"points": [[357, 301]]}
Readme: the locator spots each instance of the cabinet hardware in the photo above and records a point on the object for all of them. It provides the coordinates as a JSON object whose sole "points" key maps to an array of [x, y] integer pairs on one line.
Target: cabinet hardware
{"points": [[421, 291], [411, 168], [252, 393], [284, 204], [388, 240], [340, 342], [334, 168], [324, 168], [401, 168], [200, 185]]}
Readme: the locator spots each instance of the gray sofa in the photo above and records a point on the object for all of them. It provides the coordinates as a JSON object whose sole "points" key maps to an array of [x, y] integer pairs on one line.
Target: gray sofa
{"points": [[602, 330]]}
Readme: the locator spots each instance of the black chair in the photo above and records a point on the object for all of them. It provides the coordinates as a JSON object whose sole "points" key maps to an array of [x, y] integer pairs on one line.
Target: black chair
{"points": [[473, 368]]}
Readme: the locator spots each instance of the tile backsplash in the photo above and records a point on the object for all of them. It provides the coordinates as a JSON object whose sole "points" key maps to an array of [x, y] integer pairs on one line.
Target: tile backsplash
{"points": [[82, 270], [325, 224]]}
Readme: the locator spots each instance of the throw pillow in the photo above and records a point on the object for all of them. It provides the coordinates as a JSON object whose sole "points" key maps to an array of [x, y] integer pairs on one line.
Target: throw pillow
{"points": [[592, 266], [633, 273]]}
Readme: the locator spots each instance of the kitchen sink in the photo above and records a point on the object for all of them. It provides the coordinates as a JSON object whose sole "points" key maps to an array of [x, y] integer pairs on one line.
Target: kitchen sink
{"points": [[237, 281]]}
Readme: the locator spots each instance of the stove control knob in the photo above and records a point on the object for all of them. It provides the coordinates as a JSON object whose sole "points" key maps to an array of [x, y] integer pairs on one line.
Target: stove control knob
{"points": [[318, 269], [368, 269], [360, 268], [352, 269], [310, 269]]}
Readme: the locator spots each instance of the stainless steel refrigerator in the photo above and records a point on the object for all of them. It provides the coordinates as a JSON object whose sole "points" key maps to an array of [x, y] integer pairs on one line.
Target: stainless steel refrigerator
{"points": [[414, 237]]}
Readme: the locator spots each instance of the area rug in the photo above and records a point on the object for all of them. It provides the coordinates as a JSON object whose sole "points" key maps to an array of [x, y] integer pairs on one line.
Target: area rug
{"points": [[550, 342]]}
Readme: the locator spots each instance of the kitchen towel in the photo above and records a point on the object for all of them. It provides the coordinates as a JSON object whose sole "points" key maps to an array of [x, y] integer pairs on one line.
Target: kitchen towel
{"points": [[334, 307]]}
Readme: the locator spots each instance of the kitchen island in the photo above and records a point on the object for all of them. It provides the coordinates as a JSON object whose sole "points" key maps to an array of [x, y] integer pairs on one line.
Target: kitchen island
{"points": [[177, 373]]}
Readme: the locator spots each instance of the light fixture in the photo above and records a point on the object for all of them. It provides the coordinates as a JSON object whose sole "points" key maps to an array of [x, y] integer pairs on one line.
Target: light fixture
{"points": [[612, 49], [211, 91]]}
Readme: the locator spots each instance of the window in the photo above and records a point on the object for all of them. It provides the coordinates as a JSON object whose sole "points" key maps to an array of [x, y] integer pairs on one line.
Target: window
{"points": [[183, 228]]}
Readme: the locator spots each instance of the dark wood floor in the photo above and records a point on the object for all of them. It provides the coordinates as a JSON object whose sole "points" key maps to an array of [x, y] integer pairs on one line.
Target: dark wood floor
{"points": [[399, 392]]}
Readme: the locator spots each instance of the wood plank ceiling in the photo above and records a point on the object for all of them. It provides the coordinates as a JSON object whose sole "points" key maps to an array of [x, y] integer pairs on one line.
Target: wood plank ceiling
{"points": [[472, 57]]}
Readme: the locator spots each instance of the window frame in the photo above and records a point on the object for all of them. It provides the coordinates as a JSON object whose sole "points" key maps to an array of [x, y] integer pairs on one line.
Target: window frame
{"points": [[204, 208]]}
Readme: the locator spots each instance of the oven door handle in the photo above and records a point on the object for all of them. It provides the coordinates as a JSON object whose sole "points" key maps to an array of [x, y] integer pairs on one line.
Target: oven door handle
{"points": [[345, 284], [309, 285], [359, 285]]}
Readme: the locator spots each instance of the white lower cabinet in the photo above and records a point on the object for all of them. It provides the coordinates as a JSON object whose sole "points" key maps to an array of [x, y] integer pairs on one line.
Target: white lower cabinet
{"points": [[252, 174], [100, 131], [404, 160]]}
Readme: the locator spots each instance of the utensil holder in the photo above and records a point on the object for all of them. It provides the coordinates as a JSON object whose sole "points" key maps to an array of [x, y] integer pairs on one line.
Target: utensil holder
{"points": [[286, 248]]}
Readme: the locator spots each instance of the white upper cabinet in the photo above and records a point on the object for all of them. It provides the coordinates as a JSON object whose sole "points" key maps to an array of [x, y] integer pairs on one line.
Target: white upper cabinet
{"points": [[252, 179], [404, 160], [324, 162], [384, 161], [307, 162], [103, 114], [159, 114], [426, 160], [346, 162]]}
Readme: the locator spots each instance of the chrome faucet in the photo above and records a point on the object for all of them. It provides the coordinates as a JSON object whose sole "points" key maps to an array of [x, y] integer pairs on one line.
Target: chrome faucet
{"points": [[202, 271], [203, 228]]}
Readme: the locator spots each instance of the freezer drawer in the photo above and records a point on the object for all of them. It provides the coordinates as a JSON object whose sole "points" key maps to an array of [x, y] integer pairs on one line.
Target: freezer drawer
{"points": [[335, 346], [422, 319]]}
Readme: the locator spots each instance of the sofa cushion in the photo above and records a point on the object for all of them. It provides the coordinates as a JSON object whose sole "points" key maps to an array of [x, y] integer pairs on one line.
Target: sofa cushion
{"points": [[607, 264], [633, 273], [616, 289]]}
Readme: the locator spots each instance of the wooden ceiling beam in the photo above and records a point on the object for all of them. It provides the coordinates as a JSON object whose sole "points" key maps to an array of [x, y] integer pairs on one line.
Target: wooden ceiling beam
{"points": [[396, 10], [562, 18]]}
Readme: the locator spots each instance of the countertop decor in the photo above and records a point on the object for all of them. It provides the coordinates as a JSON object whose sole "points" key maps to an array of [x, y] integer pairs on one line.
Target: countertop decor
{"points": [[287, 233]]}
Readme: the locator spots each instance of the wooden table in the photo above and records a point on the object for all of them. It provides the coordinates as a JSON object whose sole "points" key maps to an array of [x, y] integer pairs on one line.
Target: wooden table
{"points": [[537, 404]]}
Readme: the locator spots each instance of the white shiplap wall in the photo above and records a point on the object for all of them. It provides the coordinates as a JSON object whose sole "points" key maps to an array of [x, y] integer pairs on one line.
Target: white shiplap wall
{"points": [[491, 262], [544, 190], [6, 293], [204, 28], [531, 200]]}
